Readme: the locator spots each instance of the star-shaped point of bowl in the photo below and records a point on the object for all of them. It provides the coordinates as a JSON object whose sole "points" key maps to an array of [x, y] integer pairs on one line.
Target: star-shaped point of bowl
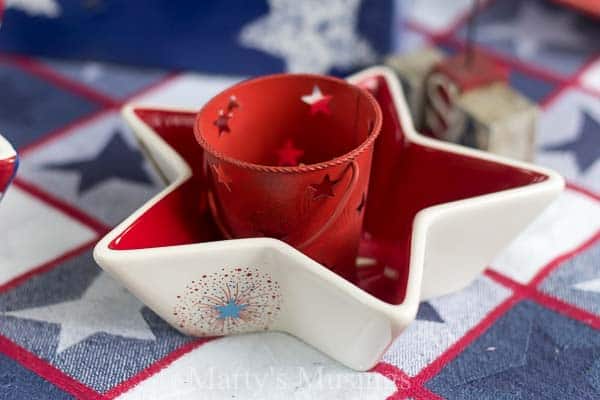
{"points": [[435, 215]]}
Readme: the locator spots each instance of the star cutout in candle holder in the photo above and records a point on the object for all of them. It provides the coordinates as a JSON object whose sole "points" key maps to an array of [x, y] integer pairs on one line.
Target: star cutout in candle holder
{"points": [[324, 188], [172, 239], [222, 122], [318, 102], [362, 204], [233, 104], [289, 155]]}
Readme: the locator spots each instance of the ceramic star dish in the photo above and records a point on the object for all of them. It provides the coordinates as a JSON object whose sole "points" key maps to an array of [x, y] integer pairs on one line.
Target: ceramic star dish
{"points": [[436, 214], [8, 164]]}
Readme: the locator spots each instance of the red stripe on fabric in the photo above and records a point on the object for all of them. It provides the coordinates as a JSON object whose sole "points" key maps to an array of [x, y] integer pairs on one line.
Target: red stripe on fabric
{"points": [[63, 131], [47, 266], [552, 96], [504, 280], [572, 82], [48, 74], [552, 265], [436, 366], [582, 190], [404, 385], [153, 86], [544, 299], [566, 309], [155, 367], [63, 206], [423, 393], [47, 371]]}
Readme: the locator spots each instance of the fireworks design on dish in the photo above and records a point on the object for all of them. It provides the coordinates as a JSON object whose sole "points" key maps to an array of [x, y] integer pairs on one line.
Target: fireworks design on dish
{"points": [[232, 300]]}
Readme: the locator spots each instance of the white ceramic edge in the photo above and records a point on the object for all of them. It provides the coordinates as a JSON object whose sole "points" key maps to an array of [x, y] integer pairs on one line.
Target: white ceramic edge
{"points": [[427, 218], [6, 149]]}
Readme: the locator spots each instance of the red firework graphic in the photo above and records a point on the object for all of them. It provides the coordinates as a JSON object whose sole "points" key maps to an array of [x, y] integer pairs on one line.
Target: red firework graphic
{"points": [[232, 300]]}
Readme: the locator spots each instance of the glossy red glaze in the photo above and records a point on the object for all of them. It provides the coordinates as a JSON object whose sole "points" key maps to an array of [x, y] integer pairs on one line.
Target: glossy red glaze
{"points": [[312, 206], [406, 178]]}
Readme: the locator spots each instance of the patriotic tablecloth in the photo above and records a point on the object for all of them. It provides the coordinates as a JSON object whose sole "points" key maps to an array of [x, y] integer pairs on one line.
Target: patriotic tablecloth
{"points": [[526, 328]]}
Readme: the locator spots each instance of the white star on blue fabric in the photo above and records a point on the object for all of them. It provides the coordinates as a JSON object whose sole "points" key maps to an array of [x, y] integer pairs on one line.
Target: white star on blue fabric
{"points": [[104, 307], [36, 8], [311, 36]]}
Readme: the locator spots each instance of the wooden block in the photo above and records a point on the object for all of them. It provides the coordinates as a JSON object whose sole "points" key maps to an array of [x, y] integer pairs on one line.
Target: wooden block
{"points": [[412, 70], [447, 81], [499, 120]]}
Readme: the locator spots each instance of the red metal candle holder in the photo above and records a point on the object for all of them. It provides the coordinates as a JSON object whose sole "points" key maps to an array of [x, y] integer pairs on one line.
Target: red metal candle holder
{"points": [[289, 156]]}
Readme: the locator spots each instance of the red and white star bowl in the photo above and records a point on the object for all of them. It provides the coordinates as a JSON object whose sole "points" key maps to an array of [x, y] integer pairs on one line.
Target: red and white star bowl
{"points": [[436, 214], [8, 164]]}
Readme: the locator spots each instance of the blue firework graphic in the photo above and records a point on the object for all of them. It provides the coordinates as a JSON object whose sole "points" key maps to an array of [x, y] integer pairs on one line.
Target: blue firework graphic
{"points": [[232, 300]]}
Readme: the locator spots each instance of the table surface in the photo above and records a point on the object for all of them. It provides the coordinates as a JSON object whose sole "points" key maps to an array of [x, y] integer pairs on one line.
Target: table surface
{"points": [[526, 328]]}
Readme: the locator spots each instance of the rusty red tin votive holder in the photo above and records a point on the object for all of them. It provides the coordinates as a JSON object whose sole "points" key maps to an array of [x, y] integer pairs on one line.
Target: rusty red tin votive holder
{"points": [[288, 156]]}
